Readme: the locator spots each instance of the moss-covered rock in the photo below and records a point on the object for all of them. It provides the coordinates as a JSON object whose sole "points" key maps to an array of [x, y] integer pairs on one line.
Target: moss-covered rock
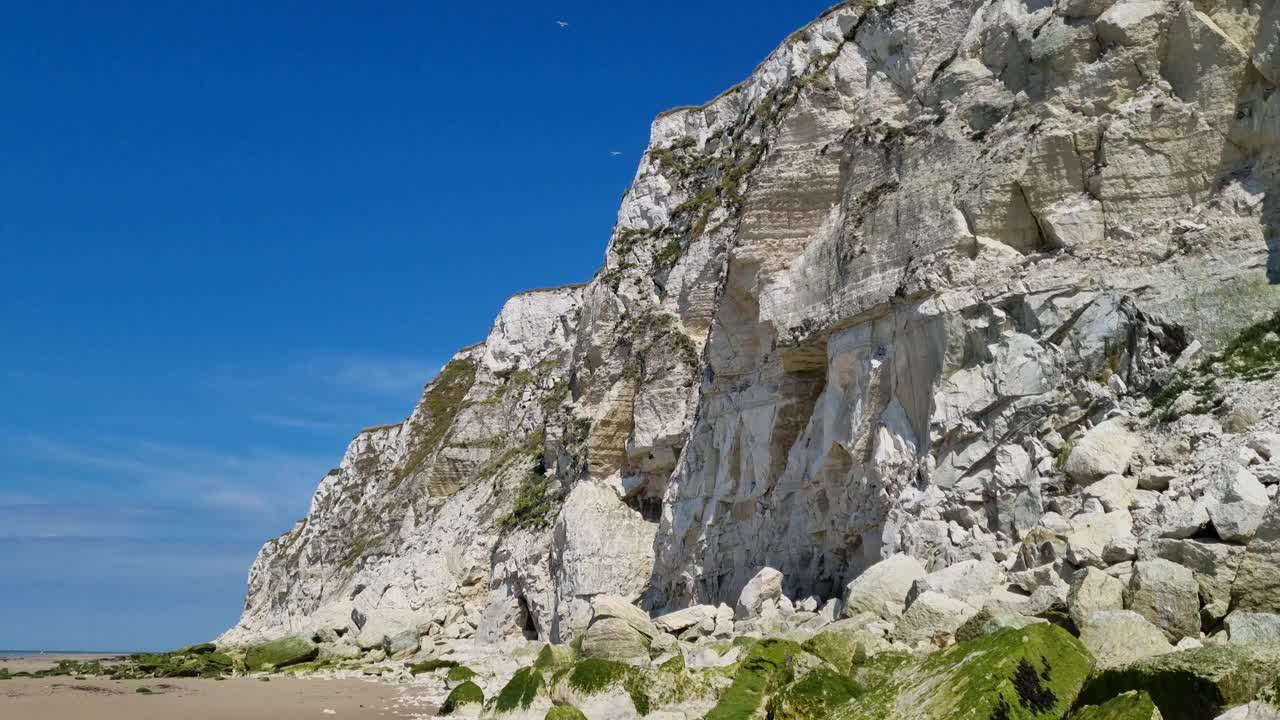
{"points": [[1192, 684], [565, 712], [814, 696], [468, 693], [1030, 673], [554, 657], [431, 665], [281, 653], [1133, 705], [762, 670], [841, 648], [460, 673], [521, 691], [594, 676]]}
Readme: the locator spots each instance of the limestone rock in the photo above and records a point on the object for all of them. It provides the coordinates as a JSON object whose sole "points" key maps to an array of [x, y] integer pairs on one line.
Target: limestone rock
{"points": [[912, 289], [883, 588], [1167, 595], [1105, 449], [1132, 705], [933, 617], [1214, 564], [1240, 506], [1093, 590], [1119, 637], [970, 581], [689, 617], [1192, 684], [280, 653], [988, 669], [1248, 627], [613, 638], [1102, 539], [764, 590], [1257, 585]]}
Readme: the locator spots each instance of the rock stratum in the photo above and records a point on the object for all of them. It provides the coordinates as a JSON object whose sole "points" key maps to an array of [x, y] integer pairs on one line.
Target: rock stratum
{"points": [[953, 312]]}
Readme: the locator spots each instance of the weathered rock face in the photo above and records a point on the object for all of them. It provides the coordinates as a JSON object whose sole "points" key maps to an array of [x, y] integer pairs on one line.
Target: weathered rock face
{"points": [[902, 292]]}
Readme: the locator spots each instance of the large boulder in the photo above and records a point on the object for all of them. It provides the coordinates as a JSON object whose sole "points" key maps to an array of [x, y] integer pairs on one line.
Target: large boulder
{"points": [[1102, 539], [762, 591], [970, 581], [1242, 502], [613, 638], [1257, 585], [883, 587], [933, 617], [1250, 627], [1192, 684], [1026, 673], [1104, 450], [1093, 590], [1132, 705], [280, 653], [1119, 637], [599, 545], [1115, 492], [1213, 563], [1131, 22], [694, 616], [1166, 594], [612, 606]]}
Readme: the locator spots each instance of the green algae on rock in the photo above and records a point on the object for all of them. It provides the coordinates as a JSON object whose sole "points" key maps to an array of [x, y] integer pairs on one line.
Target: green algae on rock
{"points": [[281, 653], [1031, 673], [814, 696], [431, 665], [460, 673], [520, 692], [565, 712], [468, 693], [594, 675], [1133, 705], [761, 671], [1193, 684]]}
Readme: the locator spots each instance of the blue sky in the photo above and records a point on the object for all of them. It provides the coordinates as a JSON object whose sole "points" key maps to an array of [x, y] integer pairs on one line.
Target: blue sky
{"points": [[233, 233]]}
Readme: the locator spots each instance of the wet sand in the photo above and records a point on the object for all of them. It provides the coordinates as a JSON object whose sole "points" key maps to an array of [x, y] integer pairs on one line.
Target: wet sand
{"points": [[282, 698]]}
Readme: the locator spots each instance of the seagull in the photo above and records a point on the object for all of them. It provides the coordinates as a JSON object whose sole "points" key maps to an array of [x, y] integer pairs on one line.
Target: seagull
{"points": [[562, 24], [615, 153]]}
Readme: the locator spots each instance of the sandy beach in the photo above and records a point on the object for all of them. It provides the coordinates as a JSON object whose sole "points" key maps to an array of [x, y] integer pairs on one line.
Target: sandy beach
{"points": [[281, 698]]}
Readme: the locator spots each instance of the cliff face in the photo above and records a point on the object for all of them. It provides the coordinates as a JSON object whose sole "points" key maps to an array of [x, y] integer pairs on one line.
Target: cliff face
{"points": [[863, 303]]}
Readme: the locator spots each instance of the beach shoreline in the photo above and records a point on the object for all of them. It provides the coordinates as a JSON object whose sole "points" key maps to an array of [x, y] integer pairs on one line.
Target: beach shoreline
{"points": [[249, 698]]}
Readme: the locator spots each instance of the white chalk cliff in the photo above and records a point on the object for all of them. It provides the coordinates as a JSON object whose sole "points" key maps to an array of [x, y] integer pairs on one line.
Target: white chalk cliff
{"points": [[907, 290]]}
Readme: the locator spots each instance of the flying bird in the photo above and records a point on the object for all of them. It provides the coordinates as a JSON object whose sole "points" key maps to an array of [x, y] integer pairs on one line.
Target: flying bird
{"points": [[615, 153], [562, 24]]}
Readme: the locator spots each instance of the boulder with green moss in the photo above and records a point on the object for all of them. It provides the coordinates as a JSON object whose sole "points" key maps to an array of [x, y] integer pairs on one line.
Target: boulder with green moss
{"points": [[431, 665], [814, 695], [280, 653], [1193, 684], [553, 656], [524, 696], [460, 673], [1133, 705], [1027, 673], [598, 687], [762, 672], [466, 697], [565, 712]]}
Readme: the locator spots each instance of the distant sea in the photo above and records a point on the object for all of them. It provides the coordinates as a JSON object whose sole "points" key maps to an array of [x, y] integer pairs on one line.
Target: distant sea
{"points": [[28, 653]]}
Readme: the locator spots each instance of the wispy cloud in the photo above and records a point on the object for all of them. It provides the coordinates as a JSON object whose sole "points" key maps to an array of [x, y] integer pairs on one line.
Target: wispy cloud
{"points": [[258, 481]]}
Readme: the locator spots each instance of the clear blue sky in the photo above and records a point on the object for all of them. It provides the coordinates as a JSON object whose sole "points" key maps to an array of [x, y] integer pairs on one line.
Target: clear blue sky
{"points": [[235, 232]]}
